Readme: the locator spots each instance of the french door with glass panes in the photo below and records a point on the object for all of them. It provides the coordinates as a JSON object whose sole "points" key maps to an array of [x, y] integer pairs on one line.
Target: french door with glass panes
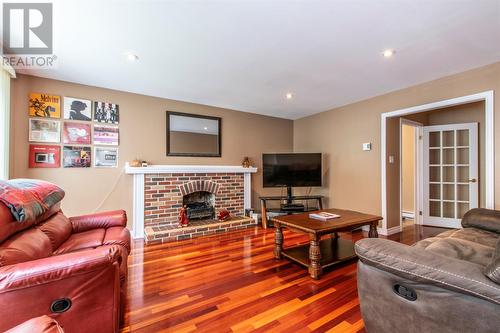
{"points": [[450, 180]]}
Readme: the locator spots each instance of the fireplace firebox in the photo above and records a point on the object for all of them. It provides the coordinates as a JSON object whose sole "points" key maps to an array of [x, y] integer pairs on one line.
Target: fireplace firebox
{"points": [[200, 205]]}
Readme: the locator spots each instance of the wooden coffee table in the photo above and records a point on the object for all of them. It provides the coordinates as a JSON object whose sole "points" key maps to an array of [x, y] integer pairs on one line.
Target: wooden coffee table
{"points": [[321, 253]]}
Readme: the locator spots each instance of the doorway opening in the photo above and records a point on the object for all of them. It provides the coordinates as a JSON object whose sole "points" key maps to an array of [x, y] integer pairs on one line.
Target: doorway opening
{"points": [[410, 157], [439, 166], [451, 200]]}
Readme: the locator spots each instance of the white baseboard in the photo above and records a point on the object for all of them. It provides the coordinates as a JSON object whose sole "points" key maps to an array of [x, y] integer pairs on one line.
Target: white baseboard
{"points": [[408, 215], [383, 231], [392, 231]]}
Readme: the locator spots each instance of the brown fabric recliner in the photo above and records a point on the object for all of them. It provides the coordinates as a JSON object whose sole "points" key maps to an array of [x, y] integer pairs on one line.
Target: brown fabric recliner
{"points": [[71, 269], [439, 284]]}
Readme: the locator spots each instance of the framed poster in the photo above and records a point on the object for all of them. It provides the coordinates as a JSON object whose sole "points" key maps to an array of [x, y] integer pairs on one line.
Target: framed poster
{"points": [[77, 109], [44, 130], [76, 133], [106, 135], [105, 157], [44, 105], [44, 156], [106, 113], [76, 157]]}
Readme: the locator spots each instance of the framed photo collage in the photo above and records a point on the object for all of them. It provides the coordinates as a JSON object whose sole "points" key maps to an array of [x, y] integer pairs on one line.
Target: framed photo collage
{"points": [[72, 132]]}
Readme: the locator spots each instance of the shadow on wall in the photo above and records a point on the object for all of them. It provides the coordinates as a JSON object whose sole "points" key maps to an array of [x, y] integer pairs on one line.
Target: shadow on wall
{"points": [[325, 182]]}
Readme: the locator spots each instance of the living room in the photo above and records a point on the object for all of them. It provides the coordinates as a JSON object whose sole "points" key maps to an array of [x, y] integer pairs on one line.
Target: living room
{"points": [[160, 175]]}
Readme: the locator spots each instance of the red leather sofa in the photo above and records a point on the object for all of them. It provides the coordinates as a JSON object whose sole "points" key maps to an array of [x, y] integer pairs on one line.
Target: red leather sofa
{"points": [[42, 324], [71, 269]]}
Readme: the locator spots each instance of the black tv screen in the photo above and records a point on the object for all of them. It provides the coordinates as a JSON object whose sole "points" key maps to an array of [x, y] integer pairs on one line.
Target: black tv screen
{"points": [[291, 169]]}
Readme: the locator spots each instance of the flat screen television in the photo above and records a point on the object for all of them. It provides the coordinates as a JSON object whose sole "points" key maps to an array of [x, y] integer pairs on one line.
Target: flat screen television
{"points": [[291, 169]]}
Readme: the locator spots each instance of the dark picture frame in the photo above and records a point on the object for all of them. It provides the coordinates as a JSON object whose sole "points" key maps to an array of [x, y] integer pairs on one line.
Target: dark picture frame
{"points": [[170, 152]]}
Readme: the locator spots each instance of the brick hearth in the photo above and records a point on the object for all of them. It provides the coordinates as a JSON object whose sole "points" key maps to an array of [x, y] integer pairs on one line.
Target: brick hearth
{"points": [[163, 234]]}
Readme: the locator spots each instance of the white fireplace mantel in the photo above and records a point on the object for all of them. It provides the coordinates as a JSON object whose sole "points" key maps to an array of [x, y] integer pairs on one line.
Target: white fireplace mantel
{"points": [[138, 194], [188, 169]]}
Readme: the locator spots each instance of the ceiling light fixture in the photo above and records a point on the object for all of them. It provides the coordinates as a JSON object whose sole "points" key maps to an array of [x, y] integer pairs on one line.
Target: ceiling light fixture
{"points": [[388, 53], [132, 57], [205, 128], [289, 96]]}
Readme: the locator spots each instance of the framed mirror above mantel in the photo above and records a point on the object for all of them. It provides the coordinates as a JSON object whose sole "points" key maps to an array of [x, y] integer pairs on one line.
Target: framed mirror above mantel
{"points": [[193, 135]]}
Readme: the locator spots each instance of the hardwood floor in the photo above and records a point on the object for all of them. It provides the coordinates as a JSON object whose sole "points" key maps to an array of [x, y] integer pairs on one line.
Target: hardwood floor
{"points": [[232, 283]]}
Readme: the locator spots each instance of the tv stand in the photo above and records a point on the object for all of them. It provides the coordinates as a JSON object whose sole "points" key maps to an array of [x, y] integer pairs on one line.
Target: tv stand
{"points": [[292, 207], [289, 196], [289, 207]]}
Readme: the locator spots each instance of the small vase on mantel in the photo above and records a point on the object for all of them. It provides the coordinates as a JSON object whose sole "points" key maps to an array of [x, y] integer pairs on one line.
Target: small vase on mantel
{"points": [[135, 163], [246, 162]]}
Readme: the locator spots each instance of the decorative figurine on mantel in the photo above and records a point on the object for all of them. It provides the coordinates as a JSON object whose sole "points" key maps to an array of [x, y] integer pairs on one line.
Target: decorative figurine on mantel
{"points": [[135, 163], [223, 215], [246, 162], [183, 218]]}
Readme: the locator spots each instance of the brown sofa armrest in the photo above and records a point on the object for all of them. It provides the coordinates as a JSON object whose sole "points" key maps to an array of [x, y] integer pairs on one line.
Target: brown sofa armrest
{"points": [[115, 218], [42, 324], [427, 268], [36, 272], [482, 218]]}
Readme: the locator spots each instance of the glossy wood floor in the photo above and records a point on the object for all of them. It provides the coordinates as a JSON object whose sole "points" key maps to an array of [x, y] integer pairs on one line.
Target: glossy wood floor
{"points": [[232, 283]]}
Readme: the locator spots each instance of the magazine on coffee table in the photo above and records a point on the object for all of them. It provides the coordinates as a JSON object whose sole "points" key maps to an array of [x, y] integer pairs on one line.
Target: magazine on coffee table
{"points": [[323, 216]]}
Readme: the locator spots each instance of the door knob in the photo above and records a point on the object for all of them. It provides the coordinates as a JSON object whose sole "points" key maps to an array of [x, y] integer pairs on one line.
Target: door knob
{"points": [[473, 180]]}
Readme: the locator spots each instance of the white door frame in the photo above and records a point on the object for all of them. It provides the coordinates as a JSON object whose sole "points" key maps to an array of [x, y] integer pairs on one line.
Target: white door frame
{"points": [[417, 185], [489, 177]]}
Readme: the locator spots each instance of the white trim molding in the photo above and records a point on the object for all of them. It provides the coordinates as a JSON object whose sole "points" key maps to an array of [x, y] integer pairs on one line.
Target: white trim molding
{"points": [[489, 177], [5, 110], [8, 68], [138, 192], [391, 231], [188, 169], [385, 231], [138, 202], [408, 215]]}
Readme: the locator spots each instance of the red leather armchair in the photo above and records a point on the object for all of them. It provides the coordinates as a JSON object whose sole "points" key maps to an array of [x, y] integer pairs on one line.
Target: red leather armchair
{"points": [[42, 324], [71, 269]]}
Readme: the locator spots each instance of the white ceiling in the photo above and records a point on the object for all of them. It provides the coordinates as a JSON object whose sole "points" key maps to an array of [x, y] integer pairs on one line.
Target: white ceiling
{"points": [[246, 55]]}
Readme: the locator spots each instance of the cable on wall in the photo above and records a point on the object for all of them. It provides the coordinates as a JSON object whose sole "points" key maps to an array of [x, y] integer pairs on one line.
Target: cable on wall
{"points": [[113, 188]]}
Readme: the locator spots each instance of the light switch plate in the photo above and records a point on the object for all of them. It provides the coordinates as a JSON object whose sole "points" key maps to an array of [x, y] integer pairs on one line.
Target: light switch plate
{"points": [[367, 146]]}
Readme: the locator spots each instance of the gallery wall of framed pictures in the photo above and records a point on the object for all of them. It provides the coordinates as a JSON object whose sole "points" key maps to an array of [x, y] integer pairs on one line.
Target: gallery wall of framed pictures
{"points": [[72, 132]]}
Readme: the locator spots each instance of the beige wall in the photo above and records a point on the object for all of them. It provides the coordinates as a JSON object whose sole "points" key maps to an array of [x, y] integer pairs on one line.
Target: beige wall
{"points": [[408, 168], [142, 135], [353, 175]]}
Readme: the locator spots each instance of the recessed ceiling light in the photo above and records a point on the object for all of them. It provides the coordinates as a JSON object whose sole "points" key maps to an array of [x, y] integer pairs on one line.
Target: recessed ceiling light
{"points": [[132, 57], [388, 53], [205, 128], [289, 96]]}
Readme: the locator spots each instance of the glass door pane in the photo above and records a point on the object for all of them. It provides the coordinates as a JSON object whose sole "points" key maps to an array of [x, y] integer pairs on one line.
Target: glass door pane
{"points": [[463, 156], [448, 139], [463, 138]]}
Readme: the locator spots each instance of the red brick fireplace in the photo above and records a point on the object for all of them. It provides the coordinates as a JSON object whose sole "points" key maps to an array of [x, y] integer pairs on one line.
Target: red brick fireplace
{"points": [[164, 194], [160, 191]]}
